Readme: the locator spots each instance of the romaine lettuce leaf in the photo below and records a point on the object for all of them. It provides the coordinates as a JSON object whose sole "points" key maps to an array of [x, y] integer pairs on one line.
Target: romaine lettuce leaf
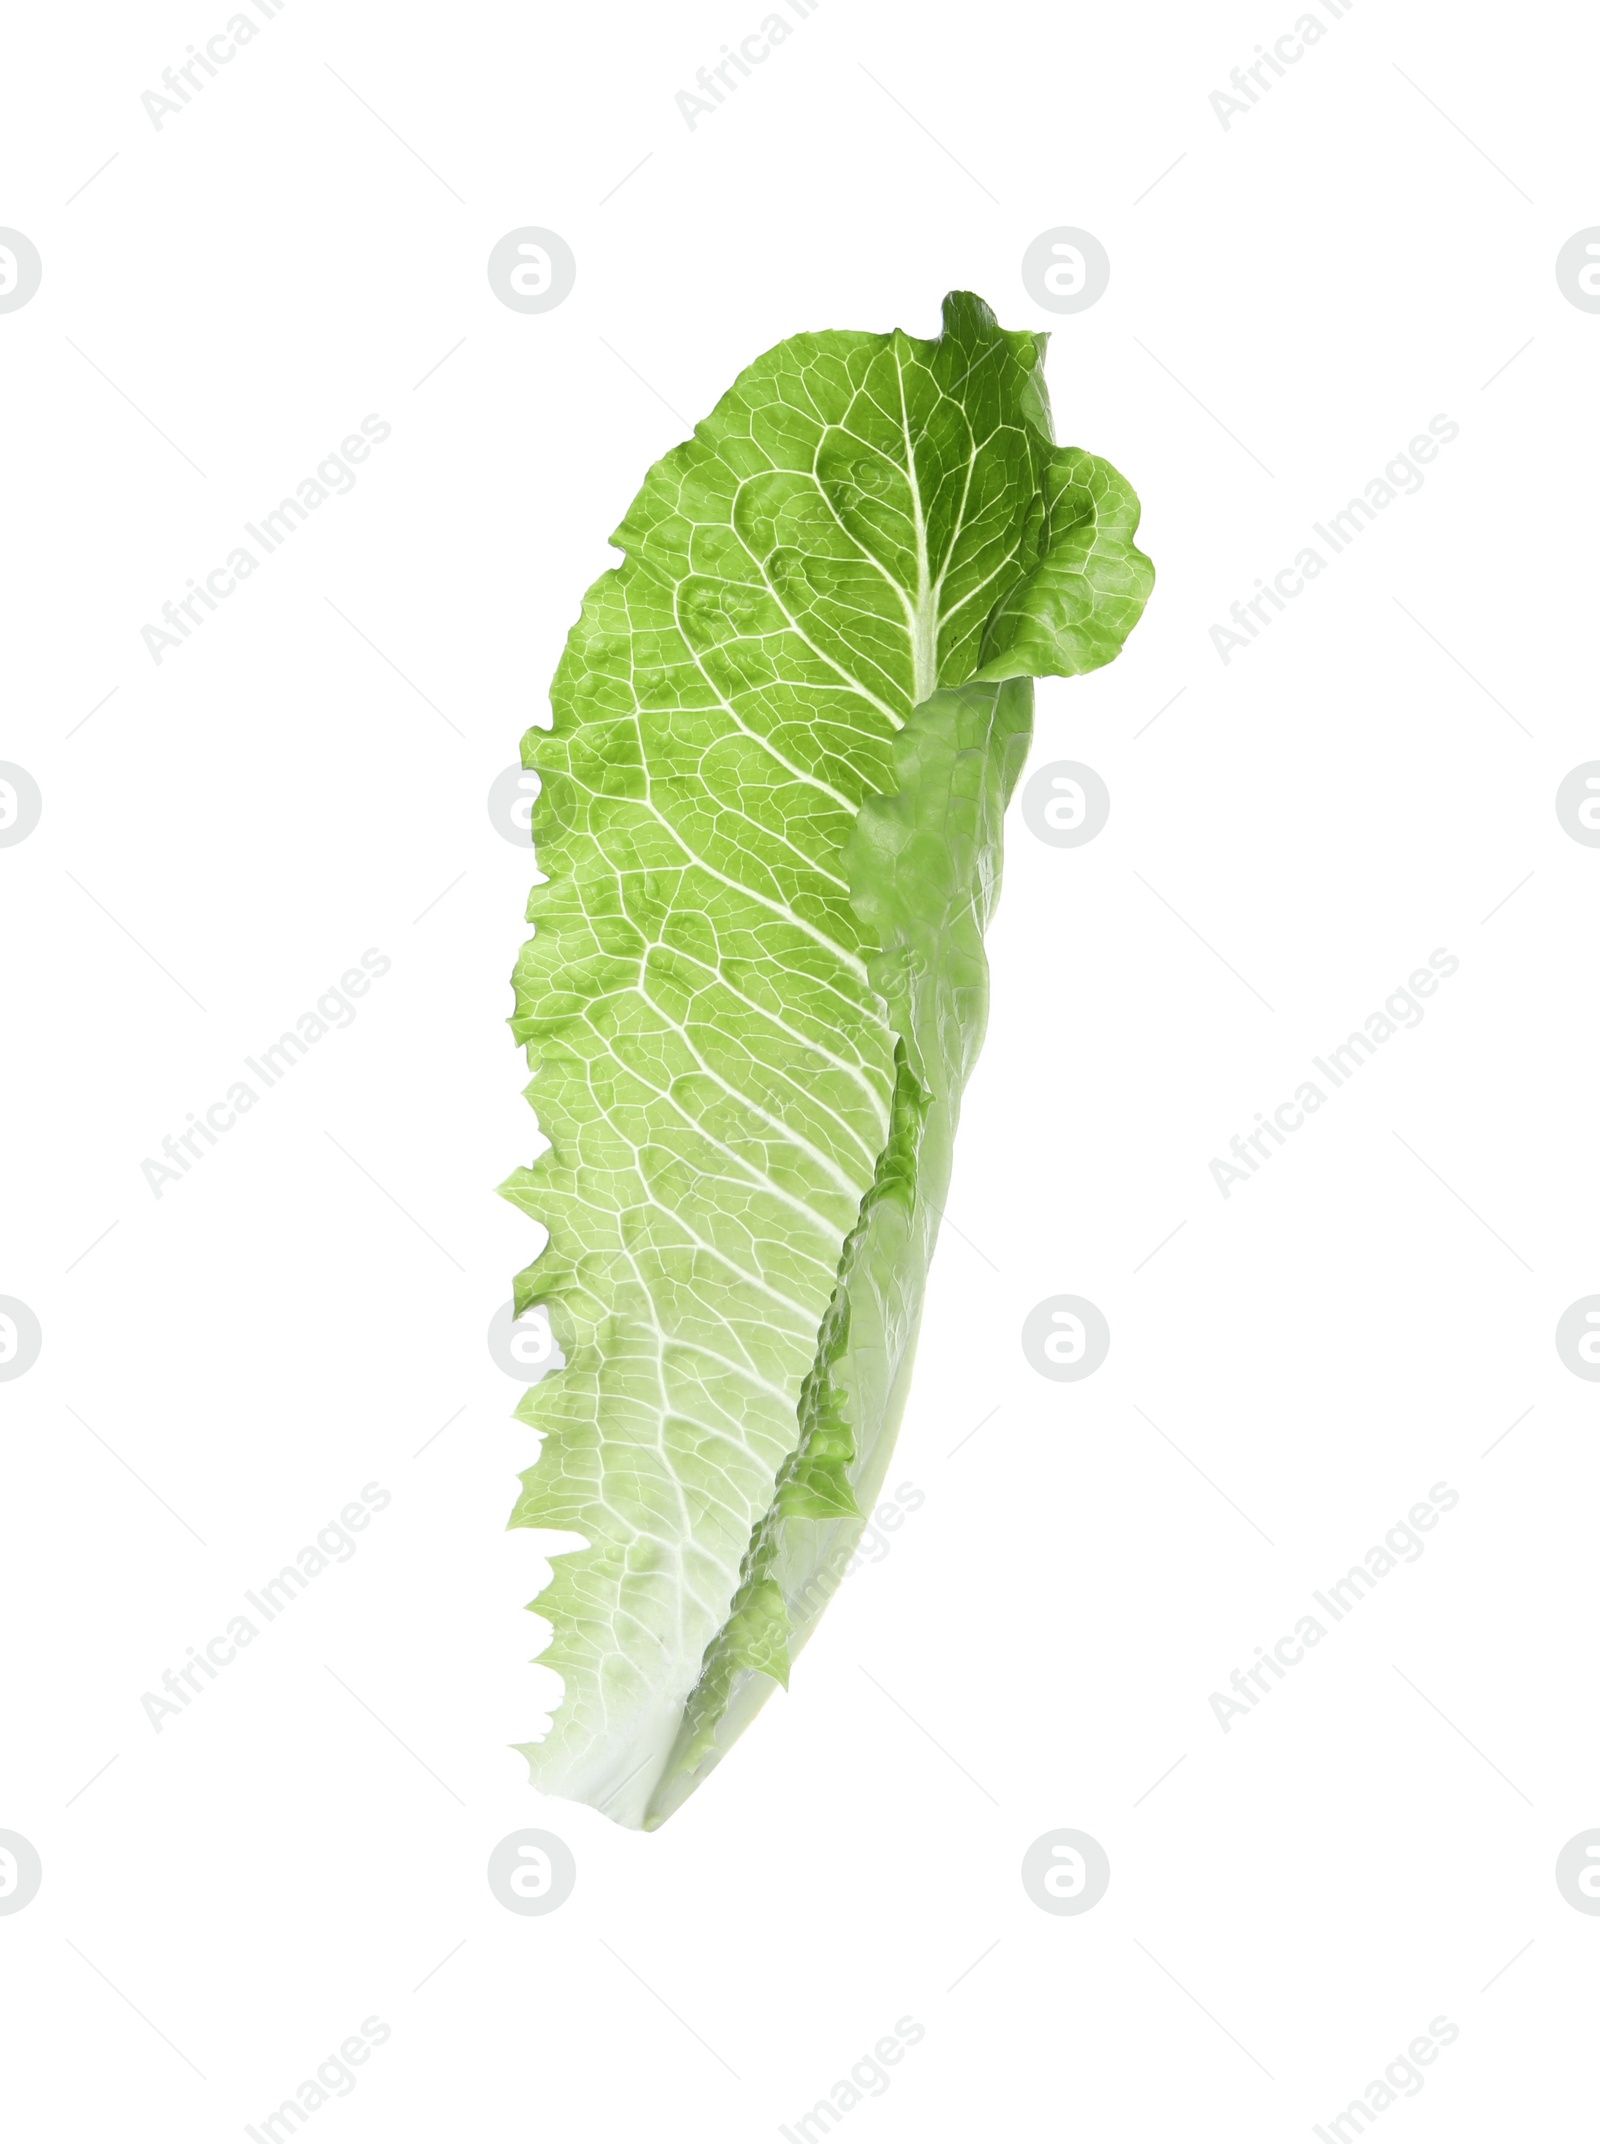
{"points": [[785, 731]]}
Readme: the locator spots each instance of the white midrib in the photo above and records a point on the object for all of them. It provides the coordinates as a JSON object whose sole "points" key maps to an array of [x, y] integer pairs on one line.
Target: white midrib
{"points": [[925, 603], [924, 618]]}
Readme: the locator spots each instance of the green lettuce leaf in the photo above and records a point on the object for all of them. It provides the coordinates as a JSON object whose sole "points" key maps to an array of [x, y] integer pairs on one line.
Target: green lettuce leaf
{"points": [[785, 732]]}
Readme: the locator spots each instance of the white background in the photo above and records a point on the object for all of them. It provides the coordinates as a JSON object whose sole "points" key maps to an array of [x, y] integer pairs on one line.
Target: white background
{"points": [[1372, 779]]}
